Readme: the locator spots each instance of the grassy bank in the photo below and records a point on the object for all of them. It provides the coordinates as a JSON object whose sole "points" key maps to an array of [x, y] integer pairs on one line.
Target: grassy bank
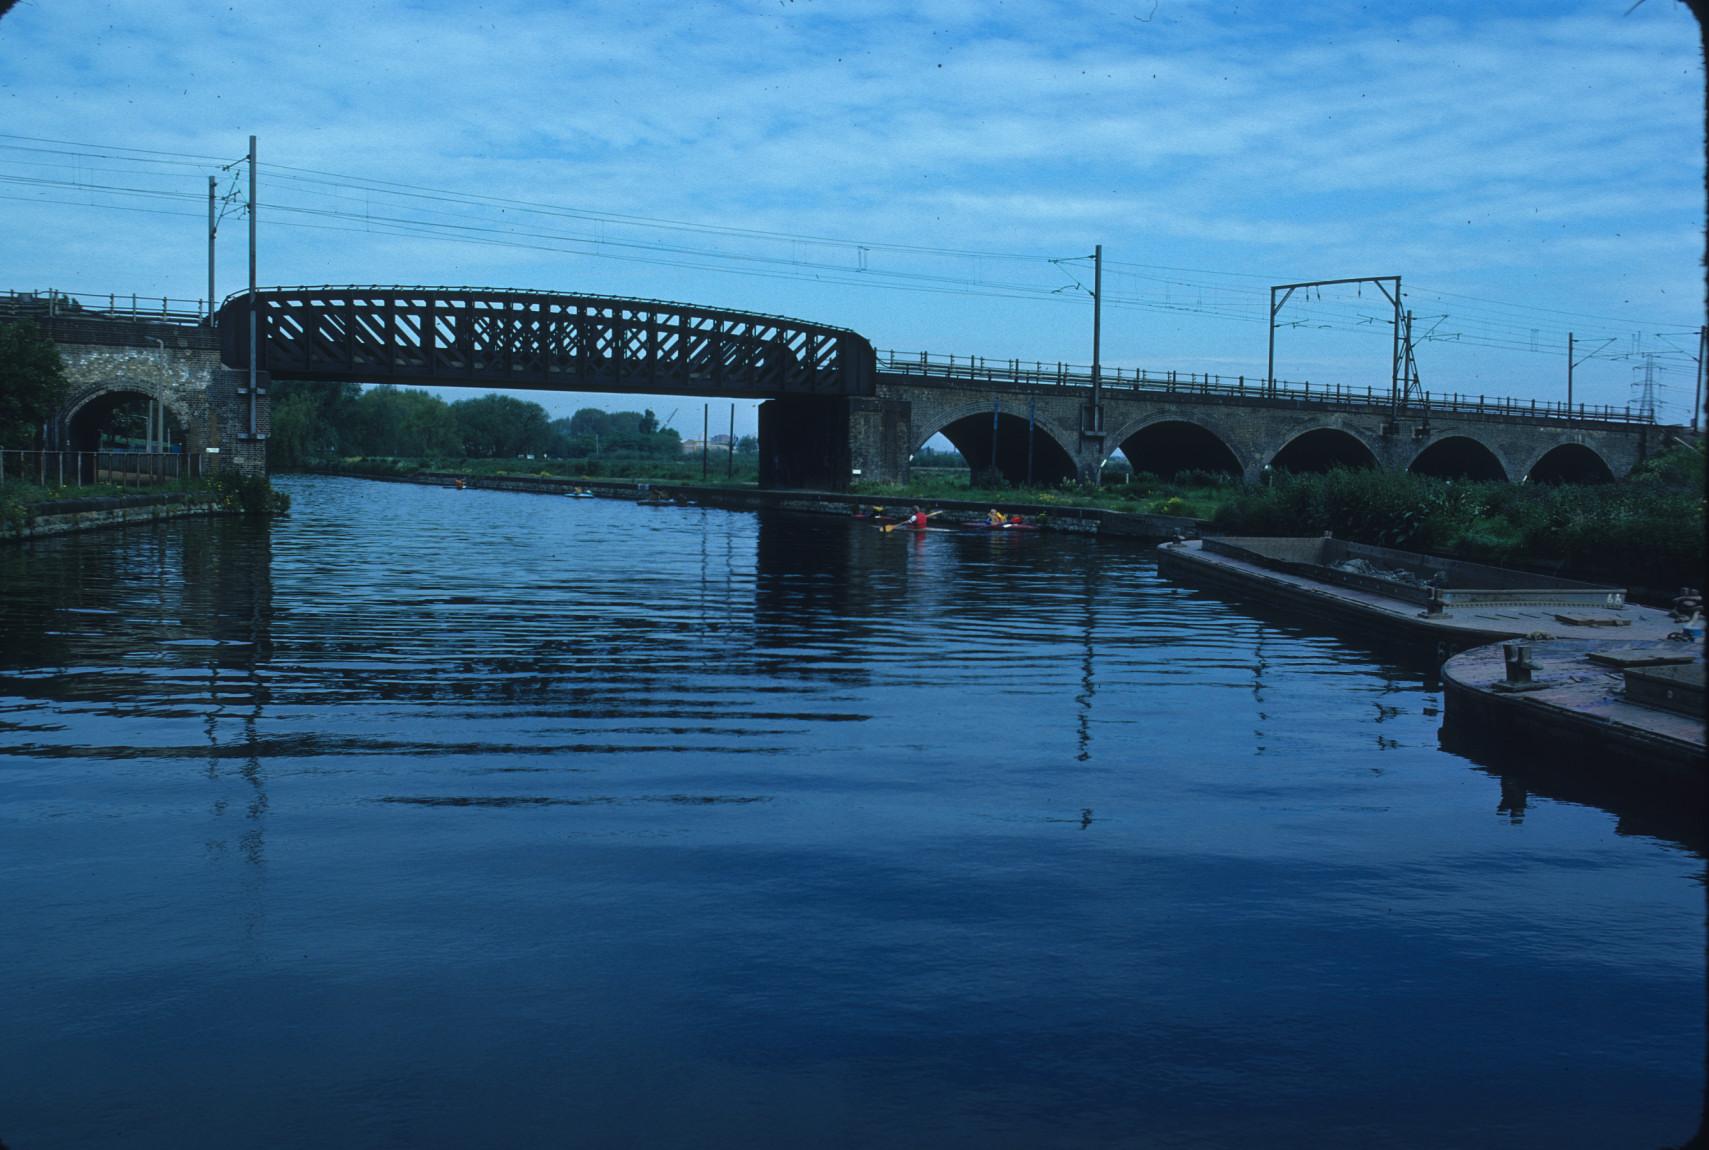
{"points": [[22, 501], [641, 470], [1196, 495], [1644, 532]]}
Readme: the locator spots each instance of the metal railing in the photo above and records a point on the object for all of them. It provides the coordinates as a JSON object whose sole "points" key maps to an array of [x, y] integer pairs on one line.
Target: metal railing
{"points": [[929, 368], [87, 468], [133, 308]]}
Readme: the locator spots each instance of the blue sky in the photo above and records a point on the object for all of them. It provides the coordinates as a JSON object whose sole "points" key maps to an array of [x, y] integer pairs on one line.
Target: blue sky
{"points": [[925, 172]]}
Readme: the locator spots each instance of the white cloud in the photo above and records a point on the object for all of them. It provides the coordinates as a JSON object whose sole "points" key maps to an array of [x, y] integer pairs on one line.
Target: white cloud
{"points": [[1542, 154]]}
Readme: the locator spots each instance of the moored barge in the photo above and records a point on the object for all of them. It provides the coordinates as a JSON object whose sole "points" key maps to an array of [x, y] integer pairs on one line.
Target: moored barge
{"points": [[1633, 708], [1412, 595]]}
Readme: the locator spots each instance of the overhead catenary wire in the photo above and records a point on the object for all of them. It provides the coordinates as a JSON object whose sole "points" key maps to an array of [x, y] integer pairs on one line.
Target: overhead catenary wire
{"points": [[417, 211]]}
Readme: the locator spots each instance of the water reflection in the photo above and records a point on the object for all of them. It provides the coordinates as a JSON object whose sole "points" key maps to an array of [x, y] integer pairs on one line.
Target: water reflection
{"points": [[948, 839], [1637, 807]]}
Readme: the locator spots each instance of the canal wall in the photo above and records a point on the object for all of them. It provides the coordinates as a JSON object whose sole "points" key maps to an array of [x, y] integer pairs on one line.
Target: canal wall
{"points": [[109, 511]]}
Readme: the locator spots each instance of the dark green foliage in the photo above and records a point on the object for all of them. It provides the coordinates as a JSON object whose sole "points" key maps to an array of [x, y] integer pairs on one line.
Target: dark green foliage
{"points": [[250, 494], [316, 423], [614, 436], [499, 427], [1196, 477], [1643, 532], [32, 383]]}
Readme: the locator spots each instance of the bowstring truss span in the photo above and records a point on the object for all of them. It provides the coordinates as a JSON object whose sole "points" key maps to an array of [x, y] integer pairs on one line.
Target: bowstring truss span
{"points": [[541, 341]]}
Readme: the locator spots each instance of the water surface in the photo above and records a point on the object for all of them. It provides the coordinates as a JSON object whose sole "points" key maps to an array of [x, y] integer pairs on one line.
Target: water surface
{"points": [[435, 818]]}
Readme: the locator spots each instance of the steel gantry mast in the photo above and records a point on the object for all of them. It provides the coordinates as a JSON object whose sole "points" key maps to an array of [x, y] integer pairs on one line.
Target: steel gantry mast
{"points": [[1403, 374]]}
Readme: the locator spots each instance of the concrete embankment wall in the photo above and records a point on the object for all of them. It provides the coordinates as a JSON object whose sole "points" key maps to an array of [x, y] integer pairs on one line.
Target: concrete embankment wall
{"points": [[1082, 520], [69, 515]]}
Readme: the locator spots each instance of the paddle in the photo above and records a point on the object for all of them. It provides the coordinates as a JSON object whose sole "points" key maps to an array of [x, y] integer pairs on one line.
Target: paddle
{"points": [[887, 528]]}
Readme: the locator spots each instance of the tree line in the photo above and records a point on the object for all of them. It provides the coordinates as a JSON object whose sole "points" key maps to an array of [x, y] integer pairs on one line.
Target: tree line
{"points": [[32, 383], [318, 422]]}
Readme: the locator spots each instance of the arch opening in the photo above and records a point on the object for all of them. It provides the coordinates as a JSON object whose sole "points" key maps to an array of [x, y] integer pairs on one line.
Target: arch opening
{"points": [[1570, 463], [1323, 449], [121, 420], [1001, 452], [1459, 457], [1168, 448]]}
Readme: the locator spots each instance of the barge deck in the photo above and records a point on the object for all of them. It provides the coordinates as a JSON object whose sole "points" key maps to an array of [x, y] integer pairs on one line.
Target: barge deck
{"points": [[1446, 601], [1631, 707]]}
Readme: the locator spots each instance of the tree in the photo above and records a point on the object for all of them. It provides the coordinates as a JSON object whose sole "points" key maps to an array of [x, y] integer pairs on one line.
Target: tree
{"points": [[312, 421], [501, 426], [587, 421], [32, 383], [404, 422]]}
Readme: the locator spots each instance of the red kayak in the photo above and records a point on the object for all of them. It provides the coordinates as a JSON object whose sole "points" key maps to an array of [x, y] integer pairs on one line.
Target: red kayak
{"points": [[1002, 527]]}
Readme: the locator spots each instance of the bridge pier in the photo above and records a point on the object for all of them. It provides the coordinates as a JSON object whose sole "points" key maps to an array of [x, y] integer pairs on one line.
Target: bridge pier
{"points": [[827, 442]]}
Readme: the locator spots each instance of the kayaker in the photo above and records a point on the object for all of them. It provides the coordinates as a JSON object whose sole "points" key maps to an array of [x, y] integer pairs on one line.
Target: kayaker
{"points": [[919, 518], [995, 518]]}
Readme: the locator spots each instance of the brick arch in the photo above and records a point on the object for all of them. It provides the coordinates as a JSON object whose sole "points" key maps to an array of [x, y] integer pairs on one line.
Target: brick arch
{"points": [[938, 420], [84, 394], [1135, 426], [1447, 446], [1333, 425], [1056, 460], [1571, 448]]}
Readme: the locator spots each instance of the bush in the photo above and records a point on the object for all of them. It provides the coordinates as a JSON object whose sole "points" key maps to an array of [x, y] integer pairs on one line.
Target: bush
{"points": [[1644, 532], [250, 494]]}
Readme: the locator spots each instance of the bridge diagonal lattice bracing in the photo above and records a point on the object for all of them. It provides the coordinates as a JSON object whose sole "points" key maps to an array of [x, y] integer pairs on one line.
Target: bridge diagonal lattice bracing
{"points": [[540, 340]]}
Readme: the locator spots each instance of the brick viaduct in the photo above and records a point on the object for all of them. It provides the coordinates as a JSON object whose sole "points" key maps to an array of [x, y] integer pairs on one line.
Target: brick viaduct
{"points": [[1172, 428]]}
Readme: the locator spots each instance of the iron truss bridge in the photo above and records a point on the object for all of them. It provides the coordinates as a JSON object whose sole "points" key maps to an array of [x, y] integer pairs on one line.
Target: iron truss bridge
{"points": [[533, 340]]}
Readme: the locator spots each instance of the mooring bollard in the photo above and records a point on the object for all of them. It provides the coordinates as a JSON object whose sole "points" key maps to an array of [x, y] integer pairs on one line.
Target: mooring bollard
{"points": [[1518, 659]]}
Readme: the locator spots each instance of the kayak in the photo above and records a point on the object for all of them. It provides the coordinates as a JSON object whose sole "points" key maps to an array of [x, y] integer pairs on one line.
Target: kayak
{"points": [[579, 494], [1002, 527]]}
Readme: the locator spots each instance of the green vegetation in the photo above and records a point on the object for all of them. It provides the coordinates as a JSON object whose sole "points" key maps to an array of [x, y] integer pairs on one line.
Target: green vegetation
{"points": [[1193, 494], [1645, 532], [316, 425], [252, 495], [684, 469], [32, 383], [22, 500]]}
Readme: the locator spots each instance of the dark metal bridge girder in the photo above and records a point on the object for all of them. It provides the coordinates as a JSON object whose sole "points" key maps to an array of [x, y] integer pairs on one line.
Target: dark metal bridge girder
{"points": [[528, 340]]}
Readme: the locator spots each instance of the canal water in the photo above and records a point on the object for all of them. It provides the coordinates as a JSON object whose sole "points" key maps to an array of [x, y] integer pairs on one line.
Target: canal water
{"points": [[433, 818]]}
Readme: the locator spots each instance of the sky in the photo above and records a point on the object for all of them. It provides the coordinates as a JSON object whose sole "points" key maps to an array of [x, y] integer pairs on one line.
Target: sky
{"points": [[933, 174]]}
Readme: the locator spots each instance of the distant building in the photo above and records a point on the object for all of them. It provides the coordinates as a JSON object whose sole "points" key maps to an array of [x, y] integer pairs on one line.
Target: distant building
{"points": [[716, 443]]}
